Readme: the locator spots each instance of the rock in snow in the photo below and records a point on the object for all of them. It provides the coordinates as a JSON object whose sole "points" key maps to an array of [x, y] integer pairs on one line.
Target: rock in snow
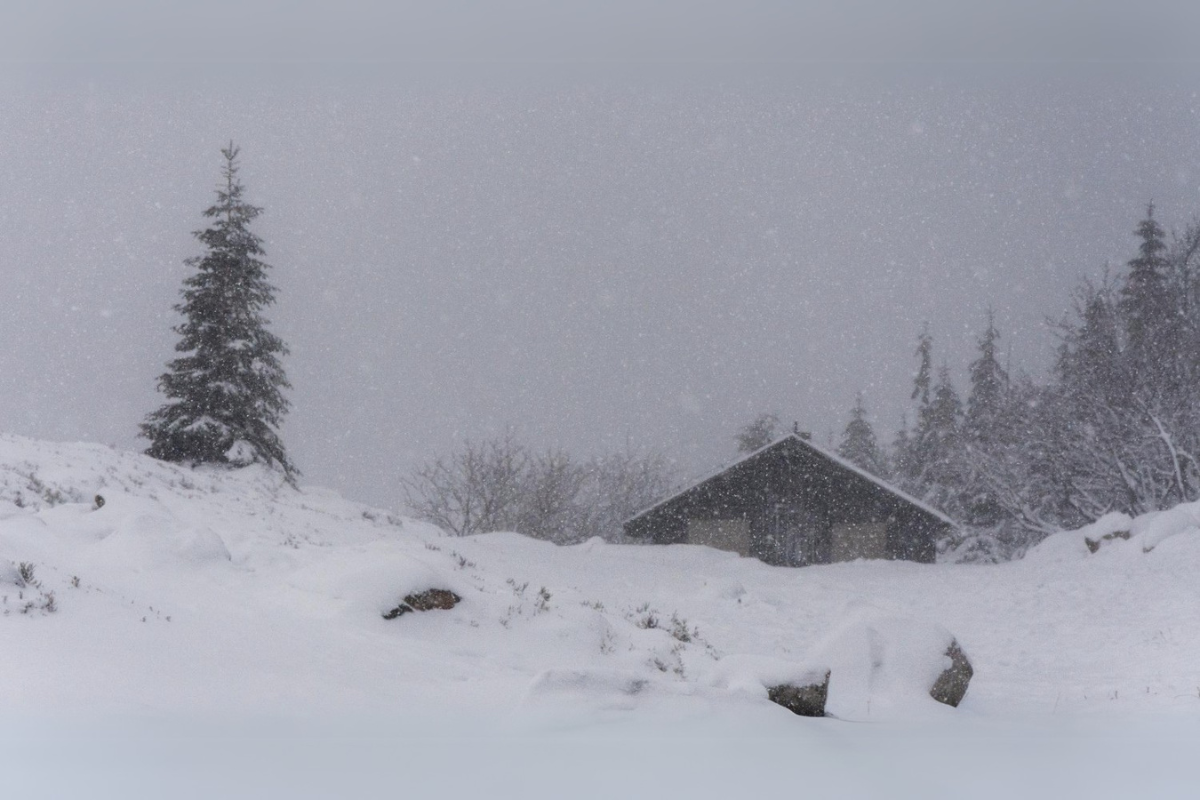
{"points": [[951, 685], [806, 701]]}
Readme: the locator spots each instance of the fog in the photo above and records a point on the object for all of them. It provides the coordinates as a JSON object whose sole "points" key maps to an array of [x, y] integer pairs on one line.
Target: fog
{"points": [[637, 227]]}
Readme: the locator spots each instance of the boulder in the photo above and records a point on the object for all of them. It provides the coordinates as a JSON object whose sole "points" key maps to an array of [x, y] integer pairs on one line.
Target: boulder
{"points": [[427, 600], [807, 701], [430, 599], [951, 685]]}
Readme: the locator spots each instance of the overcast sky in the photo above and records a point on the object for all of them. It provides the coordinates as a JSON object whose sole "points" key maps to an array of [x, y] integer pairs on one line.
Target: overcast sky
{"points": [[598, 227]]}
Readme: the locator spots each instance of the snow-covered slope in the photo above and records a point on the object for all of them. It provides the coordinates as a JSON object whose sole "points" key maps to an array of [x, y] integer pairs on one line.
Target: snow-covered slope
{"points": [[209, 590], [201, 592]]}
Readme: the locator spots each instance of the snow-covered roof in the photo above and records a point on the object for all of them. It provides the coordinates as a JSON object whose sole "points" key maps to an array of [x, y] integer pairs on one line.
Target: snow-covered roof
{"points": [[819, 451]]}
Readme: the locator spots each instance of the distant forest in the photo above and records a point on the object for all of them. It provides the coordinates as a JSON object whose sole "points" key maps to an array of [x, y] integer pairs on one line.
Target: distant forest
{"points": [[1116, 427]]}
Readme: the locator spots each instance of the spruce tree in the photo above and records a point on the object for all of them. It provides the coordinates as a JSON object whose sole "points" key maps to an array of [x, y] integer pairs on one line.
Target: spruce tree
{"points": [[858, 445], [901, 453], [936, 448], [907, 459], [1146, 305], [921, 380], [758, 433], [988, 382], [985, 431], [225, 390]]}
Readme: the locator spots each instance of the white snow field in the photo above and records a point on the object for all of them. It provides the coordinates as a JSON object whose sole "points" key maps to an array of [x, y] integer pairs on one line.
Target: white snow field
{"points": [[208, 634]]}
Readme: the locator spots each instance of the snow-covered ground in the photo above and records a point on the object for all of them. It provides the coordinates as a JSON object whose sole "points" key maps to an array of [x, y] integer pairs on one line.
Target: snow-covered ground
{"points": [[206, 633]]}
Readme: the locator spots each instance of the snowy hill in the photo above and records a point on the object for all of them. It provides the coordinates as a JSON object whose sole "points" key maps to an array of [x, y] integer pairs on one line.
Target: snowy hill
{"points": [[206, 593]]}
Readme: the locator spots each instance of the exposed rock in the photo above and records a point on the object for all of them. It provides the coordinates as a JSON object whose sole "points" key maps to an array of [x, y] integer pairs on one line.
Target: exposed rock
{"points": [[952, 684], [427, 600], [807, 701], [433, 598], [1093, 545]]}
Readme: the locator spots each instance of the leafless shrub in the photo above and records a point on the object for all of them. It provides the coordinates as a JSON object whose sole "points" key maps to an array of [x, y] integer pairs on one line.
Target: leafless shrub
{"points": [[498, 484], [475, 490]]}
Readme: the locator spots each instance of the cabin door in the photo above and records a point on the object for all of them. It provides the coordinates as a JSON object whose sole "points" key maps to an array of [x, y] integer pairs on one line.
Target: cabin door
{"points": [[793, 537]]}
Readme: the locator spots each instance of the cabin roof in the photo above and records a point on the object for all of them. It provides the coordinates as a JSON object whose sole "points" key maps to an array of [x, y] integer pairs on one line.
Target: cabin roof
{"points": [[820, 451]]}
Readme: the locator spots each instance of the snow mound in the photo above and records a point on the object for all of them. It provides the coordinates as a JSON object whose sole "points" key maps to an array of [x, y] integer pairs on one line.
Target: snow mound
{"points": [[883, 666], [753, 674], [9, 574], [150, 540], [1119, 536], [371, 579]]}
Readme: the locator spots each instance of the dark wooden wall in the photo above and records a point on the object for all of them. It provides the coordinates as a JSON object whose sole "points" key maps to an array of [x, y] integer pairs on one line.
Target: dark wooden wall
{"points": [[792, 478]]}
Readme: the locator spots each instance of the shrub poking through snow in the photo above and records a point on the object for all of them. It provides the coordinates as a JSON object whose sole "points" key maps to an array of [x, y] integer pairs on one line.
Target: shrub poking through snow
{"points": [[806, 701], [1093, 545], [427, 600], [951, 685]]}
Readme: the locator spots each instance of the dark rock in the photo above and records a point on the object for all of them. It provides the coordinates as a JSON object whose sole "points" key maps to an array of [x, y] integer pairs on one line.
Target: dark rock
{"points": [[433, 598], [807, 701], [427, 600], [99, 502], [952, 684]]}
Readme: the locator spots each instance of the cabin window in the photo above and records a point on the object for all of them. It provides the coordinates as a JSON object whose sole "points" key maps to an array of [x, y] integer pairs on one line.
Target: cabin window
{"points": [[723, 534], [859, 540]]}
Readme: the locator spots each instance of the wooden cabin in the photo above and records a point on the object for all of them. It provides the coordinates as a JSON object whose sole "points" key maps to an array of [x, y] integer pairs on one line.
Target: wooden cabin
{"points": [[792, 503]]}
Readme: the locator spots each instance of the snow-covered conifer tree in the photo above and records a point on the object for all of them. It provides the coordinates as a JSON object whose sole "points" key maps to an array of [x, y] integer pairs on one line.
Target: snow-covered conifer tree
{"points": [[858, 445], [936, 449], [985, 430], [924, 375], [758, 433], [225, 390], [988, 382], [1146, 305]]}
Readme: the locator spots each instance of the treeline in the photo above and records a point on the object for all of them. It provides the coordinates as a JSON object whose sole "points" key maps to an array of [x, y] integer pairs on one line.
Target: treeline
{"points": [[1116, 427]]}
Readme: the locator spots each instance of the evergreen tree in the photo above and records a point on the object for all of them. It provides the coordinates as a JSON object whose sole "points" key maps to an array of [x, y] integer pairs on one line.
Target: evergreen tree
{"points": [[758, 433], [984, 431], [225, 391], [936, 450], [1146, 305], [1122, 434], [901, 453], [988, 382], [858, 445], [1090, 365], [907, 458], [921, 380]]}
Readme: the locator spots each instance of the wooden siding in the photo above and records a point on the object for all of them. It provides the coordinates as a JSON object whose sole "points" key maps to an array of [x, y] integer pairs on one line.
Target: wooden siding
{"points": [[792, 496]]}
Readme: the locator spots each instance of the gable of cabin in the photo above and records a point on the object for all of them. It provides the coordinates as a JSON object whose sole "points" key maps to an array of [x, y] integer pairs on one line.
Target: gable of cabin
{"points": [[792, 504]]}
